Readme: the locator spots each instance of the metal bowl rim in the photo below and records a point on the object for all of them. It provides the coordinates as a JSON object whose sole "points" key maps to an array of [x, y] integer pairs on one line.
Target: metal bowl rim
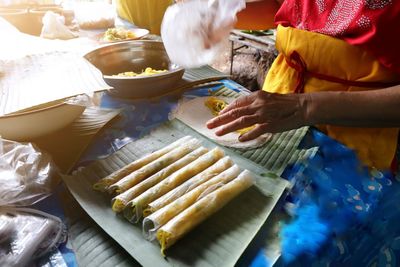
{"points": [[122, 44], [169, 72]]}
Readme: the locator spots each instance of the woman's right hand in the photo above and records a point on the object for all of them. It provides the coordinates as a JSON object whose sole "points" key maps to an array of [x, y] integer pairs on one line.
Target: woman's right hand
{"points": [[270, 113]]}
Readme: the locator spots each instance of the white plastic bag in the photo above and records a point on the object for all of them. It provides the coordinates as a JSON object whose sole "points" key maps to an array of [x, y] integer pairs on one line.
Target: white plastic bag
{"points": [[54, 27], [193, 31], [27, 234], [27, 175]]}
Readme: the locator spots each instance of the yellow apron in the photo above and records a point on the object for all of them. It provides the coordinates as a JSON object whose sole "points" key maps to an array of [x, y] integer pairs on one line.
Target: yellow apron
{"points": [[147, 14], [333, 57]]}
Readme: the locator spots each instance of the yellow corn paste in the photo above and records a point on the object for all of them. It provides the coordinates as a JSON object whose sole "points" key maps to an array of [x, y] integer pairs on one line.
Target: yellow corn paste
{"points": [[146, 72], [216, 105]]}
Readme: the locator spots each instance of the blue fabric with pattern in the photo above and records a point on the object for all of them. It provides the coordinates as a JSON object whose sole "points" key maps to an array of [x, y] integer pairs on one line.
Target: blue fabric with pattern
{"points": [[343, 215]]}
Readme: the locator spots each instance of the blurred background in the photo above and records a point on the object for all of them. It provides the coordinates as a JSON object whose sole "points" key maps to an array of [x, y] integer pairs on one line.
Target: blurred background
{"points": [[246, 63]]}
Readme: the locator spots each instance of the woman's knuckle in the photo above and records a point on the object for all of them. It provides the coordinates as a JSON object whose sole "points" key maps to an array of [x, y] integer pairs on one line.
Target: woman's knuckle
{"points": [[235, 113], [242, 120]]}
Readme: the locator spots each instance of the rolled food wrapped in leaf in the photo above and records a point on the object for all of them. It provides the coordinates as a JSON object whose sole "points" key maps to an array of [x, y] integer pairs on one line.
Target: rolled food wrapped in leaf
{"points": [[133, 211], [159, 218], [215, 169], [120, 201], [103, 184], [180, 225], [139, 175]]}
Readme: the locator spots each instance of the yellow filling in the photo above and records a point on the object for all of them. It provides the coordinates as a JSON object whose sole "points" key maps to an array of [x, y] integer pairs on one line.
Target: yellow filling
{"points": [[146, 72], [163, 237], [147, 211], [246, 130], [118, 34], [118, 205], [216, 105]]}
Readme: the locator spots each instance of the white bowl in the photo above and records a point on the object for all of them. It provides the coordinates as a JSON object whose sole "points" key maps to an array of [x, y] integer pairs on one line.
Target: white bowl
{"points": [[38, 121]]}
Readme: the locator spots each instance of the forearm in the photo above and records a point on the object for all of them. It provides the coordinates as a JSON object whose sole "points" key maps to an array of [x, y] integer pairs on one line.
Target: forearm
{"points": [[376, 108]]}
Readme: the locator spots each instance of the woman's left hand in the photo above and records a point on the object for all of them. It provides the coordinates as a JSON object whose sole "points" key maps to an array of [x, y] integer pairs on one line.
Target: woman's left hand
{"points": [[269, 112]]}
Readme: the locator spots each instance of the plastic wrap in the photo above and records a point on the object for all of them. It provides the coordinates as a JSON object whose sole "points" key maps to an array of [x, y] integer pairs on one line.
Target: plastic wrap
{"points": [[103, 184], [137, 176], [138, 206], [54, 27], [79, 100], [27, 175], [193, 182], [185, 221], [193, 31], [26, 235], [120, 201], [160, 217]]}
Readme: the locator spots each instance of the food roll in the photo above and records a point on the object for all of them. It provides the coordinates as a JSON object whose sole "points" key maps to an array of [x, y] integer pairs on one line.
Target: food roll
{"points": [[103, 184], [137, 176], [119, 202], [159, 218], [193, 182], [185, 221], [135, 206]]}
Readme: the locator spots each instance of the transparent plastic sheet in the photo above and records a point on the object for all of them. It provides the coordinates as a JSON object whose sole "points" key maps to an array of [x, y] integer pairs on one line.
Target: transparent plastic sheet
{"points": [[27, 234], [185, 221], [212, 171], [193, 31], [54, 27], [138, 207], [79, 100], [195, 113], [185, 174], [210, 189], [120, 201], [160, 217], [139, 175], [27, 175], [104, 183]]}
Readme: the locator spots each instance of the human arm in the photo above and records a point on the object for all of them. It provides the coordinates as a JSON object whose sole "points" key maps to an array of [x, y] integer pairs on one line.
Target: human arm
{"points": [[277, 113], [375, 108]]}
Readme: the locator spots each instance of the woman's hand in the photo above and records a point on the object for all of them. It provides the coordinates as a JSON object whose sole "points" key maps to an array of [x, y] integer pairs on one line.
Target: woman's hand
{"points": [[269, 112]]}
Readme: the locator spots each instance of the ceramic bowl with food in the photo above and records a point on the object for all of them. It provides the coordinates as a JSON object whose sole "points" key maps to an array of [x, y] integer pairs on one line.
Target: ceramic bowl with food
{"points": [[136, 57]]}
